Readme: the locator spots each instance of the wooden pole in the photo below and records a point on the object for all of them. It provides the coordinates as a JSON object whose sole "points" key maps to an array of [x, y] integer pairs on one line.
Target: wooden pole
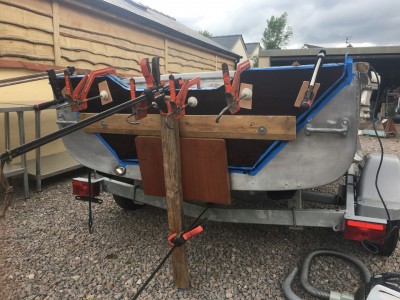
{"points": [[56, 32], [174, 197]]}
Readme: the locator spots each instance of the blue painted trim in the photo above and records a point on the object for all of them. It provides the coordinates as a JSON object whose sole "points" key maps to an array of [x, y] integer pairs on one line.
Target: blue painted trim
{"points": [[302, 67], [276, 146], [121, 162]]}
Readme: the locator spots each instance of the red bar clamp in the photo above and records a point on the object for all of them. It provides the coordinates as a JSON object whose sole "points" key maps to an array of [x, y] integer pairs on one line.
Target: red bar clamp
{"points": [[176, 240], [78, 96], [152, 78], [180, 99], [232, 91]]}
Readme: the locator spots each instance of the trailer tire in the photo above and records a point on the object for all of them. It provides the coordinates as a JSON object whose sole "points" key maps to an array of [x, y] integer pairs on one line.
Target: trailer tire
{"points": [[390, 244], [126, 203]]}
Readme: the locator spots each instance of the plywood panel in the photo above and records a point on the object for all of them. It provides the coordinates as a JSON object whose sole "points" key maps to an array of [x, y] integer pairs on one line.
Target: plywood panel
{"points": [[204, 169]]}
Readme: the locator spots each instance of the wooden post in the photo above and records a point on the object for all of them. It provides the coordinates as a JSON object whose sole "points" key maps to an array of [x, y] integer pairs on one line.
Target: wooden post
{"points": [[174, 197], [56, 32]]}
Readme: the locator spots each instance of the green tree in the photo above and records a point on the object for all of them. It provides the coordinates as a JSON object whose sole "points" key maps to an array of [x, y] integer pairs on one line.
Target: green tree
{"points": [[277, 33], [206, 33], [255, 61]]}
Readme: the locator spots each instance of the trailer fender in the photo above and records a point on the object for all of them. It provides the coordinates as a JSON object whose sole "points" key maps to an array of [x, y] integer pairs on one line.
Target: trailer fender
{"points": [[368, 201]]}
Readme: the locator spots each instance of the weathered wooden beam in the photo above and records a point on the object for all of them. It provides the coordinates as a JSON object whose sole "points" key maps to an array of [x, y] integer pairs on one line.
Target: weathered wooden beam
{"points": [[174, 197], [56, 32], [229, 127]]}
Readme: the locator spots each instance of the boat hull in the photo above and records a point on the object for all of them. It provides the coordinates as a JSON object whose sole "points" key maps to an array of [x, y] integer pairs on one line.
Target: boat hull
{"points": [[324, 148]]}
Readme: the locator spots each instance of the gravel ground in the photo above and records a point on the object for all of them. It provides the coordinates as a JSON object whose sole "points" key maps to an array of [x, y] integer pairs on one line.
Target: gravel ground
{"points": [[46, 252]]}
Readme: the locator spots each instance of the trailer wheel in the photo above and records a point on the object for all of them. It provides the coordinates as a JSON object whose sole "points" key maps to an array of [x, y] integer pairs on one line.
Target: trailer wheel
{"points": [[126, 203], [390, 244]]}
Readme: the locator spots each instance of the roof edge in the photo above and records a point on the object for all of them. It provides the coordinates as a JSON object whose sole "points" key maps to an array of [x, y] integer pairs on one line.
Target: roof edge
{"points": [[330, 51]]}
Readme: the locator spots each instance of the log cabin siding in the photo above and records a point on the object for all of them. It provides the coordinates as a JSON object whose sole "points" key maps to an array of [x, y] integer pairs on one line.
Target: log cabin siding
{"points": [[182, 59], [26, 34], [65, 33]]}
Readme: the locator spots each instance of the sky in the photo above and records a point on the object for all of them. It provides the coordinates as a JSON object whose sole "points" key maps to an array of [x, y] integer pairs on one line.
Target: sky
{"points": [[325, 23]]}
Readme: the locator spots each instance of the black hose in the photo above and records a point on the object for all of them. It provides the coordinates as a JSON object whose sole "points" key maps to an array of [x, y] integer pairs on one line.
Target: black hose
{"points": [[366, 274], [287, 285]]}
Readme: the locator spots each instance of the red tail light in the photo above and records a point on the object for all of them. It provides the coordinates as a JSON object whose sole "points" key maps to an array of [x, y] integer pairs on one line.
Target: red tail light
{"points": [[80, 187], [359, 231]]}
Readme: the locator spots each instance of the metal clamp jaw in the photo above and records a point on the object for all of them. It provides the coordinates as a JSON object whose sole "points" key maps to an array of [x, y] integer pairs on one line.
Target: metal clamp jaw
{"points": [[77, 97], [232, 91], [177, 103], [152, 77]]}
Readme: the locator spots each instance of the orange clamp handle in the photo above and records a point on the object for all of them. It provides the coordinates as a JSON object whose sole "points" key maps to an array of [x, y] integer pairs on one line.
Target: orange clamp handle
{"points": [[176, 240], [193, 232], [146, 71], [236, 79], [132, 87]]}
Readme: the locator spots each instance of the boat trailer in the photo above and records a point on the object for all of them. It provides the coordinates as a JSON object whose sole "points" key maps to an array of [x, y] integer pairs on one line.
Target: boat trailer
{"points": [[363, 211]]}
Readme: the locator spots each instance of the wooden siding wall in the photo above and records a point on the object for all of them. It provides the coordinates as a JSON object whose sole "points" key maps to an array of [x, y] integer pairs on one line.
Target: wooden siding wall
{"points": [[26, 31], [56, 33]]}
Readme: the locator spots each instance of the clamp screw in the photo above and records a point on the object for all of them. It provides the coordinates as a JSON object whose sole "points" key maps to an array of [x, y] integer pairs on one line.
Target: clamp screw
{"points": [[103, 124]]}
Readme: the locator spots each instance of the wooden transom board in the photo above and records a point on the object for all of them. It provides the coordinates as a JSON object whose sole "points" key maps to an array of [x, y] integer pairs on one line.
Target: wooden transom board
{"points": [[204, 165]]}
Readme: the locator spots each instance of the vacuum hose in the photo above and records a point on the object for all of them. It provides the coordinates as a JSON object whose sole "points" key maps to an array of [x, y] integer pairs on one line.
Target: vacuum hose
{"points": [[366, 274], [287, 285]]}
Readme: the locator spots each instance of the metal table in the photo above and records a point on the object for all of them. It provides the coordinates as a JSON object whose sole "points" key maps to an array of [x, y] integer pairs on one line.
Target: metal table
{"points": [[13, 169], [40, 167]]}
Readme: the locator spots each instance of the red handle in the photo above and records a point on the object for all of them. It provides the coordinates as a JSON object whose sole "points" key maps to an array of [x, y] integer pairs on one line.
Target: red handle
{"points": [[193, 232]]}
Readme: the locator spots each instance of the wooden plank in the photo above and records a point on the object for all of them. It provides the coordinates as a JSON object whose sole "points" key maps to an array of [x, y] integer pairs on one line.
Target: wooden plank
{"points": [[95, 59], [93, 37], [26, 50], [182, 59], [16, 32], [303, 91], [41, 7], [174, 198], [199, 159], [93, 20], [25, 18], [229, 127]]}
